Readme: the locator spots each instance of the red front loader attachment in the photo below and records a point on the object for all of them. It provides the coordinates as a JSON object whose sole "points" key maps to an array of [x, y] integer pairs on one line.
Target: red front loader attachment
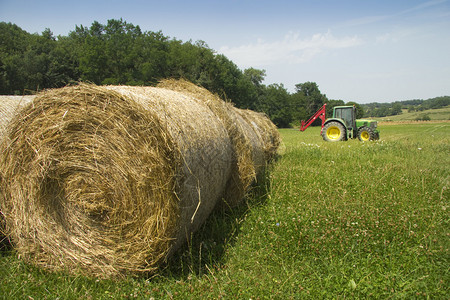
{"points": [[319, 114]]}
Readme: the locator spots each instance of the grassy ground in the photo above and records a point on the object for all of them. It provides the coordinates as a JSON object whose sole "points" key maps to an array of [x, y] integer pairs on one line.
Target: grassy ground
{"points": [[334, 220]]}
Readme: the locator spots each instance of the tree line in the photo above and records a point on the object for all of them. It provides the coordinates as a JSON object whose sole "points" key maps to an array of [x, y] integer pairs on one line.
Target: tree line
{"points": [[119, 52], [396, 108]]}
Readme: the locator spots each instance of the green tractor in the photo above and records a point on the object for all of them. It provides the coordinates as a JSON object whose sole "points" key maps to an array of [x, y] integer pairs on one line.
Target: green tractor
{"points": [[344, 125]]}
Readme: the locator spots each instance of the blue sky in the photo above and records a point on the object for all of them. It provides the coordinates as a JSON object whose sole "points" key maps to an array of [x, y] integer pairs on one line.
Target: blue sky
{"points": [[363, 51]]}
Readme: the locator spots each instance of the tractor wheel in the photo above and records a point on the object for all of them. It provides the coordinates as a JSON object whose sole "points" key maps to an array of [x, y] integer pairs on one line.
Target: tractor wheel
{"points": [[366, 134], [333, 132]]}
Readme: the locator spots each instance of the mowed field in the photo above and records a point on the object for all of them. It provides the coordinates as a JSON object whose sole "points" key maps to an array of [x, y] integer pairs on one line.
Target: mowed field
{"points": [[332, 220]]}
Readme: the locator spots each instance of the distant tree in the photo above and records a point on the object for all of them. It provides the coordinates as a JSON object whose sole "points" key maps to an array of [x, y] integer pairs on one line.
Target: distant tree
{"points": [[423, 117], [229, 82], [298, 108], [314, 99], [253, 80], [382, 111], [93, 60], [277, 105], [396, 109], [437, 102], [13, 44], [256, 76]]}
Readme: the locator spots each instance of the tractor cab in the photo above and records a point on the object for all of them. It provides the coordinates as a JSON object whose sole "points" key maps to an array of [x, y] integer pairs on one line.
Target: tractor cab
{"points": [[347, 115]]}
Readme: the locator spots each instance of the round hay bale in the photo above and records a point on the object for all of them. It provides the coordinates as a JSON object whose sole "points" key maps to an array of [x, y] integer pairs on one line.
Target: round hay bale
{"points": [[243, 141], [104, 181]]}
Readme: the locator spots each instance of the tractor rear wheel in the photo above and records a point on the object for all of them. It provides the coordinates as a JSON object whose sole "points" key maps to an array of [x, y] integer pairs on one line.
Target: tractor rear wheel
{"points": [[333, 132], [366, 134]]}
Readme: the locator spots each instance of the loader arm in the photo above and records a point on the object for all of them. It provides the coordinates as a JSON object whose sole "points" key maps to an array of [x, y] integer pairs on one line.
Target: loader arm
{"points": [[319, 114]]}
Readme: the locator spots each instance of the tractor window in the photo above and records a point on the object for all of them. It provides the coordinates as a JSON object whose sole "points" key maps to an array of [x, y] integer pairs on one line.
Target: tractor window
{"points": [[345, 114]]}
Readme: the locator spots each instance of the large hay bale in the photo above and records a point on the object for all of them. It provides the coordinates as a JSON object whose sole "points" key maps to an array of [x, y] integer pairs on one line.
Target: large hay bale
{"points": [[109, 180]]}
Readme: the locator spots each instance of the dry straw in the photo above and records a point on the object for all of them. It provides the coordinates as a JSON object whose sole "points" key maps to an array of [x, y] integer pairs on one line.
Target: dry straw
{"points": [[106, 181]]}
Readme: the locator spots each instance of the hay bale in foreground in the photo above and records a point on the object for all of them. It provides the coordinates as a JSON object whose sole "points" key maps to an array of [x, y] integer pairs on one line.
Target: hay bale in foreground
{"points": [[109, 180], [105, 181]]}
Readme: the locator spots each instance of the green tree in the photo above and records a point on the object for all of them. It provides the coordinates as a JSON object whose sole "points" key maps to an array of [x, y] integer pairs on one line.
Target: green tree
{"points": [[151, 54], [383, 111], [396, 109], [314, 99], [63, 66], [93, 62], [423, 117], [255, 76], [298, 108], [253, 80], [196, 62], [13, 44], [120, 38], [277, 105]]}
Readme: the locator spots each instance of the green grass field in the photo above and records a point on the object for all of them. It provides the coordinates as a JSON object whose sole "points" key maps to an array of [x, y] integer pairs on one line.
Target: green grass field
{"points": [[333, 220]]}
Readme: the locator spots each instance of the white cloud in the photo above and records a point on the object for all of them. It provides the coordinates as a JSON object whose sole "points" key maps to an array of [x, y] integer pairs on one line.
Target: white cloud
{"points": [[291, 49]]}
